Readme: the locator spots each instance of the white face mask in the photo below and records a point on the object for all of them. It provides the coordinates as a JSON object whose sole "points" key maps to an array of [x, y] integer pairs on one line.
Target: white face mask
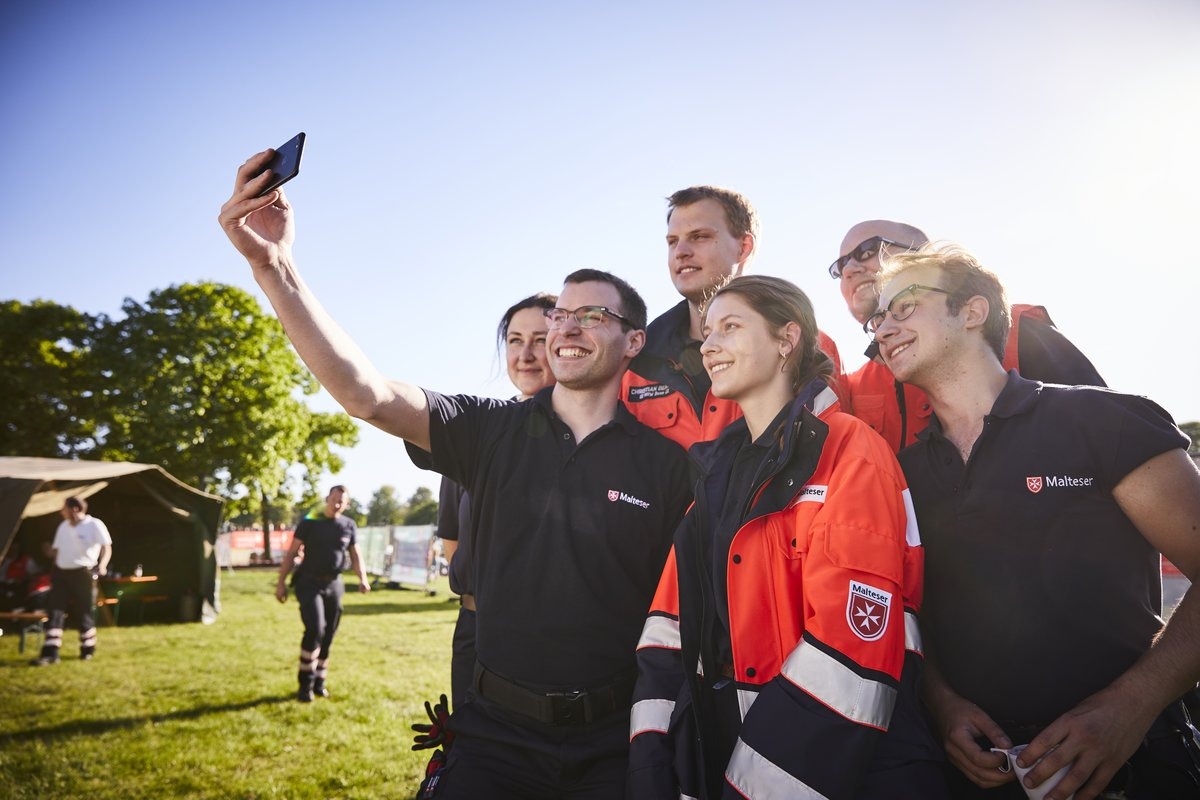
{"points": [[1041, 791]]}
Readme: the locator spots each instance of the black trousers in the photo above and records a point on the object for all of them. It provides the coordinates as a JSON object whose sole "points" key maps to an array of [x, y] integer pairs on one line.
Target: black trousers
{"points": [[462, 660], [500, 755], [320, 611], [72, 595]]}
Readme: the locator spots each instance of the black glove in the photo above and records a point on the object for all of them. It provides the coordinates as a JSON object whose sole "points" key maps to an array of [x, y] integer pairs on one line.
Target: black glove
{"points": [[438, 733]]}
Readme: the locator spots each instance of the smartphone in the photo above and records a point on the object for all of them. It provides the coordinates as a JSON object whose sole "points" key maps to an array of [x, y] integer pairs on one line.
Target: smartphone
{"points": [[285, 165]]}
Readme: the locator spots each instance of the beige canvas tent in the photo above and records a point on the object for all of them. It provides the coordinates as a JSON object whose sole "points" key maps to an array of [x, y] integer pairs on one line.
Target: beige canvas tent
{"points": [[155, 520]]}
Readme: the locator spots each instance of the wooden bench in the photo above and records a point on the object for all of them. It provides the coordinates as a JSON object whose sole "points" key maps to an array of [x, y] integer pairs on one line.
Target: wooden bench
{"points": [[26, 622]]}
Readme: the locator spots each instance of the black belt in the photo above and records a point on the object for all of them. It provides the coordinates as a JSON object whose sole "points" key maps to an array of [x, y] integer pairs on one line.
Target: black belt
{"points": [[554, 708]]}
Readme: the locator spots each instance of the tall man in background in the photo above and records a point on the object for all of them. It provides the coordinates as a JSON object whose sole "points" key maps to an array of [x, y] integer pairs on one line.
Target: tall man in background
{"points": [[712, 234]]}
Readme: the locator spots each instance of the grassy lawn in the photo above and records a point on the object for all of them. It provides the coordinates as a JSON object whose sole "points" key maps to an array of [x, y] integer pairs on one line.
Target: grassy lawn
{"points": [[208, 711]]}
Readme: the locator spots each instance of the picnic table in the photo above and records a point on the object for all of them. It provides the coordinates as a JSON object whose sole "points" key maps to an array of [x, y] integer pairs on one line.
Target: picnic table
{"points": [[113, 593], [26, 622]]}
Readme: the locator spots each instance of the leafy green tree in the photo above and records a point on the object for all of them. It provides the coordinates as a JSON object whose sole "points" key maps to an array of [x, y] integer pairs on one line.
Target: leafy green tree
{"points": [[385, 507], [202, 381], [421, 508], [354, 511], [47, 380], [1192, 429]]}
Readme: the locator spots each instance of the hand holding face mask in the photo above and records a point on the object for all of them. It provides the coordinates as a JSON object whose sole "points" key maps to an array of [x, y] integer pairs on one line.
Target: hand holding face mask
{"points": [[1041, 791]]}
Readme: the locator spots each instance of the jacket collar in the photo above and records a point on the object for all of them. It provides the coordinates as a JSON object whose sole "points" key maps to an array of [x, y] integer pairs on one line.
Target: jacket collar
{"points": [[668, 334], [794, 456]]}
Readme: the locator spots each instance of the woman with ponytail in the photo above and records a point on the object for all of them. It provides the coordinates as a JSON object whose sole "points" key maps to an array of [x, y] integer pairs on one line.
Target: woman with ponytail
{"points": [[781, 656]]}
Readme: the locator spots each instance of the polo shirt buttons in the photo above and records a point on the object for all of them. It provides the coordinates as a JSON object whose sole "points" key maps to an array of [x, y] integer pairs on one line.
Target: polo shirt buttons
{"points": [[671, 415], [737, 559], [791, 481], [566, 437], [712, 409], [751, 672]]}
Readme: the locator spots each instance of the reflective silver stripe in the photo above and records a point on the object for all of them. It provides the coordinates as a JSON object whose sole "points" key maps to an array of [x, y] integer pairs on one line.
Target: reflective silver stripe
{"points": [[660, 632], [857, 699], [746, 698], [912, 534], [824, 399], [759, 779], [683, 796], [650, 715], [912, 633]]}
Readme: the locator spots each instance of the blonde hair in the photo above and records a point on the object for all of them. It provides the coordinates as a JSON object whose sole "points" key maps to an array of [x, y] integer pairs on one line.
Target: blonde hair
{"points": [[963, 277]]}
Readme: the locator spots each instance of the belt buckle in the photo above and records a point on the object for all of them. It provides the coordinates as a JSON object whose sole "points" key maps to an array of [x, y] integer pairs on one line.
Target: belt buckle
{"points": [[571, 708]]}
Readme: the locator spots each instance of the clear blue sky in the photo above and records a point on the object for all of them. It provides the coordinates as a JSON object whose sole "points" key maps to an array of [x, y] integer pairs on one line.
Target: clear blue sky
{"points": [[463, 155]]}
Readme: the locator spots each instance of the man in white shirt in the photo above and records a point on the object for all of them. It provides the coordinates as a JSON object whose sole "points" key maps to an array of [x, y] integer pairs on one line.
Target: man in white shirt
{"points": [[81, 544]]}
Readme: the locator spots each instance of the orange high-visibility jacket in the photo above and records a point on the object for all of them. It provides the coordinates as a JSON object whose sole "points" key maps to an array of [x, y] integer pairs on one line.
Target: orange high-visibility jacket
{"points": [[824, 581]]}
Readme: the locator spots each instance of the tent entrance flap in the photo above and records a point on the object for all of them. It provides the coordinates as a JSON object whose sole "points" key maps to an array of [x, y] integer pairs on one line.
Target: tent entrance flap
{"points": [[50, 501]]}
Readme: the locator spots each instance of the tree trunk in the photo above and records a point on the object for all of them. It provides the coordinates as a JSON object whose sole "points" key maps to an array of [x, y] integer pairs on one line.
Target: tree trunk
{"points": [[266, 524]]}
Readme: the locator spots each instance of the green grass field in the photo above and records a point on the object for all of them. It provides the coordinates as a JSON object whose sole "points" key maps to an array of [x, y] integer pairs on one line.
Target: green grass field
{"points": [[209, 711]]}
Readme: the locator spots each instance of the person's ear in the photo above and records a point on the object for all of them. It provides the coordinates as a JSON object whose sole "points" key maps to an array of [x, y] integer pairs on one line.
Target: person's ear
{"points": [[789, 339], [634, 342], [747, 250], [975, 311]]}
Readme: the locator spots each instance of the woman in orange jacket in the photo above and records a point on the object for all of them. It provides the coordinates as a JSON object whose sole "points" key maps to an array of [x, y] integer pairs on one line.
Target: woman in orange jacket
{"points": [[781, 655]]}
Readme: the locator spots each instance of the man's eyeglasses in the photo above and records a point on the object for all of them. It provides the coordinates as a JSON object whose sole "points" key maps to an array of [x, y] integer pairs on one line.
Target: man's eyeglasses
{"points": [[865, 251], [586, 316], [901, 307]]}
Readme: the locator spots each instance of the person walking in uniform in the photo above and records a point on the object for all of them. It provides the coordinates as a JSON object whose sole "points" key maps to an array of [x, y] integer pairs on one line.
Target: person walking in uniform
{"points": [[81, 544], [328, 545]]}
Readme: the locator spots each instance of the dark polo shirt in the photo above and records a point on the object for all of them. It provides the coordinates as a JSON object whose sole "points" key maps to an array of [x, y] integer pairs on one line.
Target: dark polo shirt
{"points": [[569, 537], [1039, 591], [327, 542]]}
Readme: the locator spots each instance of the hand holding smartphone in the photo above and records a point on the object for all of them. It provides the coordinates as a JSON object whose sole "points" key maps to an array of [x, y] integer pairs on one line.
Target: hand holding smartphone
{"points": [[285, 165]]}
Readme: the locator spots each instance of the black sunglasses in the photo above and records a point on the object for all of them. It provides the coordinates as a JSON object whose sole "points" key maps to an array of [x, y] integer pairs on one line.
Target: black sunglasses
{"points": [[865, 251]]}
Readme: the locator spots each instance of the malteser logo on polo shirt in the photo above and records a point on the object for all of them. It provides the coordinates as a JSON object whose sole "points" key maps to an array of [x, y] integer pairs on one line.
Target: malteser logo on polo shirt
{"points": [[1035, 483], [614, 496], [639, 393]]}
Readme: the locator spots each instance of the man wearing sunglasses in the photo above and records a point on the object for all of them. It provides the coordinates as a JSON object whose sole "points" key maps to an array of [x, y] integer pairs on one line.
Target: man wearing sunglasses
{"points": [[1035, 347], [712, 233], [573, 504], [1043, 510]]}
